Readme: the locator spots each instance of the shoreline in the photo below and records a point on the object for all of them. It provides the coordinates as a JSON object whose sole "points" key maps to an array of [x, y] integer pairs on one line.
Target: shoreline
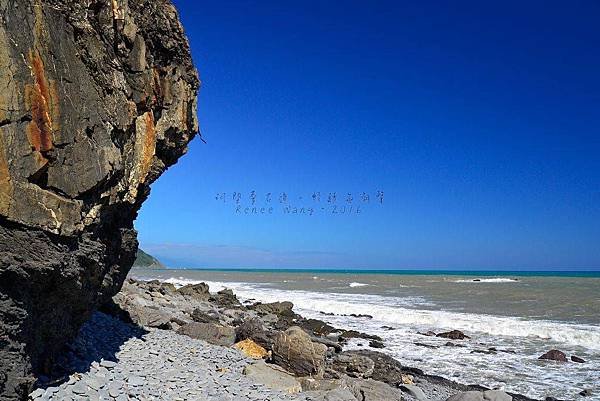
{"points": [[193, 314]]}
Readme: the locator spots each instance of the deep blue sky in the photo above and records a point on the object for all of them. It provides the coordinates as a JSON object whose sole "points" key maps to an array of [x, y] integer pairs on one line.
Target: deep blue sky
{"points": [[480, 122]]}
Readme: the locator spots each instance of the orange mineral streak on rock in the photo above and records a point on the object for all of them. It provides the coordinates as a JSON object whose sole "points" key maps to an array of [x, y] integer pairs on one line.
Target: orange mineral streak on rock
{"points": [[149, 146], [42, 99]]}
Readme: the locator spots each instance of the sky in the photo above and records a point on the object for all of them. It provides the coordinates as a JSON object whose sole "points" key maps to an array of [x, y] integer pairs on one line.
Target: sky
{"points": [[479, 123]]}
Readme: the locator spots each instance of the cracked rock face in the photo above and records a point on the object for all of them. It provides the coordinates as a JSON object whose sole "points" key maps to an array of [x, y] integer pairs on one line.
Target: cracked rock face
{"points": [[98, 98]]}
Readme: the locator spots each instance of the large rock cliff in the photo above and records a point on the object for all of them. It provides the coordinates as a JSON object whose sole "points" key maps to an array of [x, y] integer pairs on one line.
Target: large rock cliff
{"points": [[98, 98]]}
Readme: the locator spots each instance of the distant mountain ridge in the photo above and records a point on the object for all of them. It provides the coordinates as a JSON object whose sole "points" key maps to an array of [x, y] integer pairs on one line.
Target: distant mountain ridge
{"points": [[144, 260]]}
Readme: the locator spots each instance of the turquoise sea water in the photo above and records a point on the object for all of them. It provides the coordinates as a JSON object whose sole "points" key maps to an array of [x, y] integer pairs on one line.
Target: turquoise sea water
{"points": [[486, 273]]}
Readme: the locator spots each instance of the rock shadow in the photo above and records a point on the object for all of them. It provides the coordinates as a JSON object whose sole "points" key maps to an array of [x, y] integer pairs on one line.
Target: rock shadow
{"points": [[100, 338]]}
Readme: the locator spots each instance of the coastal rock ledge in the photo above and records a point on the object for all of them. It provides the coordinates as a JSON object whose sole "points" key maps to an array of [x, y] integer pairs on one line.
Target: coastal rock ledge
{"points": [[98, 98]]}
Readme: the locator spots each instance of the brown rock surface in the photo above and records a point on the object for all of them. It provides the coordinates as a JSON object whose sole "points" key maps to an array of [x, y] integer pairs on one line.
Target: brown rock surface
{"points": [[213, 333], [294, 351], [96, 104]]}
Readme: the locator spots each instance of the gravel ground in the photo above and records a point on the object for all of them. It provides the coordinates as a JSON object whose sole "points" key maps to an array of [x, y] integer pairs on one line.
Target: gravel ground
{"points": [[113, 361]]}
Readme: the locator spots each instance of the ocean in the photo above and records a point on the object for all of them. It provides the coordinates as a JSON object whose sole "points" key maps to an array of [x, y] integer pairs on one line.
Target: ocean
{"points": [[519, 314]]}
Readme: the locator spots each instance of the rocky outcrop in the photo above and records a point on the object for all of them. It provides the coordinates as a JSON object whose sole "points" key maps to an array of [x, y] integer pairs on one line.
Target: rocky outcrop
{"points": [[453, 335], [294, 350], [554, 355], [98, 99]]}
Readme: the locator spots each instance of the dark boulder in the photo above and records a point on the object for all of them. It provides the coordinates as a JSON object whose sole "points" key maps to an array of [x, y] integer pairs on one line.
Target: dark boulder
{"points": [[98, 99], [317, 327], [554, 355], [420, 344], [347, 334], [376, 344], [453, 335], [253, 329], [577, 359], [451, 344]]}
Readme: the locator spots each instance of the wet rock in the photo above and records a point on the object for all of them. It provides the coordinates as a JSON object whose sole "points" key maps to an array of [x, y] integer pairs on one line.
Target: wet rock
{"points": [[427, 333], [90, 117], [577, 359], [376, 344], [317, 327], [294, 351], [362, 316], [453, 335], [554, 355], [347, 334], [420, 344], [586, 393], [484, 351], [210, 332], [451, 344]]}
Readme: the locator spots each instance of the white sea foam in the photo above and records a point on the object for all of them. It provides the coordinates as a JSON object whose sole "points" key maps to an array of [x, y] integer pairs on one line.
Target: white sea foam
{"points": [[488, 280], [355, 284], [407, 311]]}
